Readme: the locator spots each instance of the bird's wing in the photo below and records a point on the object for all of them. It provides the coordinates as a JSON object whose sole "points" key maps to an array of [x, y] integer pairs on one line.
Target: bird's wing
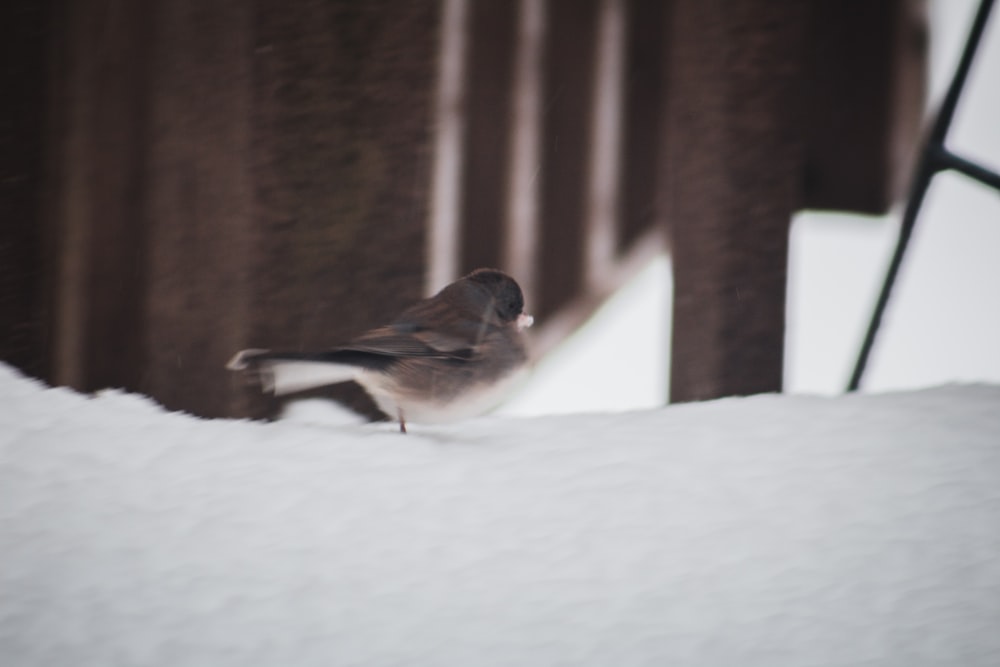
{"points": [[430, 328], [412, 340]]}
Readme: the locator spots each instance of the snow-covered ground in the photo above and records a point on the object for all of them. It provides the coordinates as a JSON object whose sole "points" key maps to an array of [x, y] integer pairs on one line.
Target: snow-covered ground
{"points": [[762, 531]]}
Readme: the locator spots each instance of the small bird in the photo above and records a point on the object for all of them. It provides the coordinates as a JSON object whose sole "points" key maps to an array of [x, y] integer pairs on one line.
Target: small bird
{"points": [[443, 358]]}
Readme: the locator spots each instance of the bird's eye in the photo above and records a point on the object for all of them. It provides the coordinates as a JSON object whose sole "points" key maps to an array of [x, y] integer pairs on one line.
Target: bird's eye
{"points": [[508, 309]]}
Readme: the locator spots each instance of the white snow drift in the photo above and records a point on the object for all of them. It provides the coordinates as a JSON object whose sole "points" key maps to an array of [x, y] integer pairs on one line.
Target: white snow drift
{"points": [[764, 531]]}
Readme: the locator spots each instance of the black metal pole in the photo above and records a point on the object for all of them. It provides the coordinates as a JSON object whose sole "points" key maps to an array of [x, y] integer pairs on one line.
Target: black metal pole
{"points": [[934, 158]]}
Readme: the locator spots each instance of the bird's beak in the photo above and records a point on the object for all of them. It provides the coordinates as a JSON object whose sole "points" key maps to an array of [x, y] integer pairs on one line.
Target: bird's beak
{"points": [[524, 321]]}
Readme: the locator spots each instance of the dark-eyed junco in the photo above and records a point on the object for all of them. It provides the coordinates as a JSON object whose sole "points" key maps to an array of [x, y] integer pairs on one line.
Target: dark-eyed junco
{"points": [[443, 358]]}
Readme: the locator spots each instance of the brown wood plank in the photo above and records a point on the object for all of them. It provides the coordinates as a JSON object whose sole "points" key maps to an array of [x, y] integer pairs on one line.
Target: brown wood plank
{"points": [[24, 317], [643, 128], [864, 102], [343, 99], [566, 122], [734, 158], [95, 217], [488, 99], [197, 202]]}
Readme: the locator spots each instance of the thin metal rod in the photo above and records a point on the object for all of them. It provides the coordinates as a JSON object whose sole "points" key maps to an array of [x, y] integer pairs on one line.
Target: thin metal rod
{"points": [[950, 101], [917, 191], [933, 158], [949, 160]]}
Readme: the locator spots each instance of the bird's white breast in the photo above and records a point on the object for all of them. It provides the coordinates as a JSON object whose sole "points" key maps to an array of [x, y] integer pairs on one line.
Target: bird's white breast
{"points": [[478, 400]]}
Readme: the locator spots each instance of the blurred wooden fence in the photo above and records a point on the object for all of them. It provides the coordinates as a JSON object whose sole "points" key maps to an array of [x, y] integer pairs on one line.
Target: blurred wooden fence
{"points": [[184, 178]]}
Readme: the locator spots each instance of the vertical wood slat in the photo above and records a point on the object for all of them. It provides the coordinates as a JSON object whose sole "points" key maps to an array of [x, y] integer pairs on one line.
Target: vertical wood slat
{"points": [[198, 197], [864, 100], [98, 134], [520, 253], [602, 218], [570, 53], [488, 100], [444, 231], [344, 99], [25, 318], [642, 206], [735, 156]]}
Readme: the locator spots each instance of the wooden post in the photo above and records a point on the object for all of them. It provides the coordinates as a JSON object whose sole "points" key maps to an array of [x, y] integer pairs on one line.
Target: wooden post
{"points": [[197, 198], [570, 50], [488, 98], [343, 102], [864, 102], [98, 129], [24, 315], [733, 160], [643, 127]]}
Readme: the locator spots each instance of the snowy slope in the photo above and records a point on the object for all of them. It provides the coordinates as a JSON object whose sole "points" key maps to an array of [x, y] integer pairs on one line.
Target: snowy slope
{"points": [[763, 531]]}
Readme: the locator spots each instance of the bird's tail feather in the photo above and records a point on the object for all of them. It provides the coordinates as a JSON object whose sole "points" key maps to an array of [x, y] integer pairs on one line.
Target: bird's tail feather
{"points": [[289, 372]]}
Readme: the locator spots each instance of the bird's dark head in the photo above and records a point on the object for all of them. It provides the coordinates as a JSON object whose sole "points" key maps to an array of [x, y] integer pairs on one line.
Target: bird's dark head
{"points": [[506, 293]]}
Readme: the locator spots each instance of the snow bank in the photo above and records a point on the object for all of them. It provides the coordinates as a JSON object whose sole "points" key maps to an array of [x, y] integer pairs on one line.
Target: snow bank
{"points": [[763, 531]]}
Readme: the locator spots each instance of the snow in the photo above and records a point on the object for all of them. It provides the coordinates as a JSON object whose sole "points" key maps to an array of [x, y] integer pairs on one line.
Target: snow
{"points": [[773, 530], [624, 345]]}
